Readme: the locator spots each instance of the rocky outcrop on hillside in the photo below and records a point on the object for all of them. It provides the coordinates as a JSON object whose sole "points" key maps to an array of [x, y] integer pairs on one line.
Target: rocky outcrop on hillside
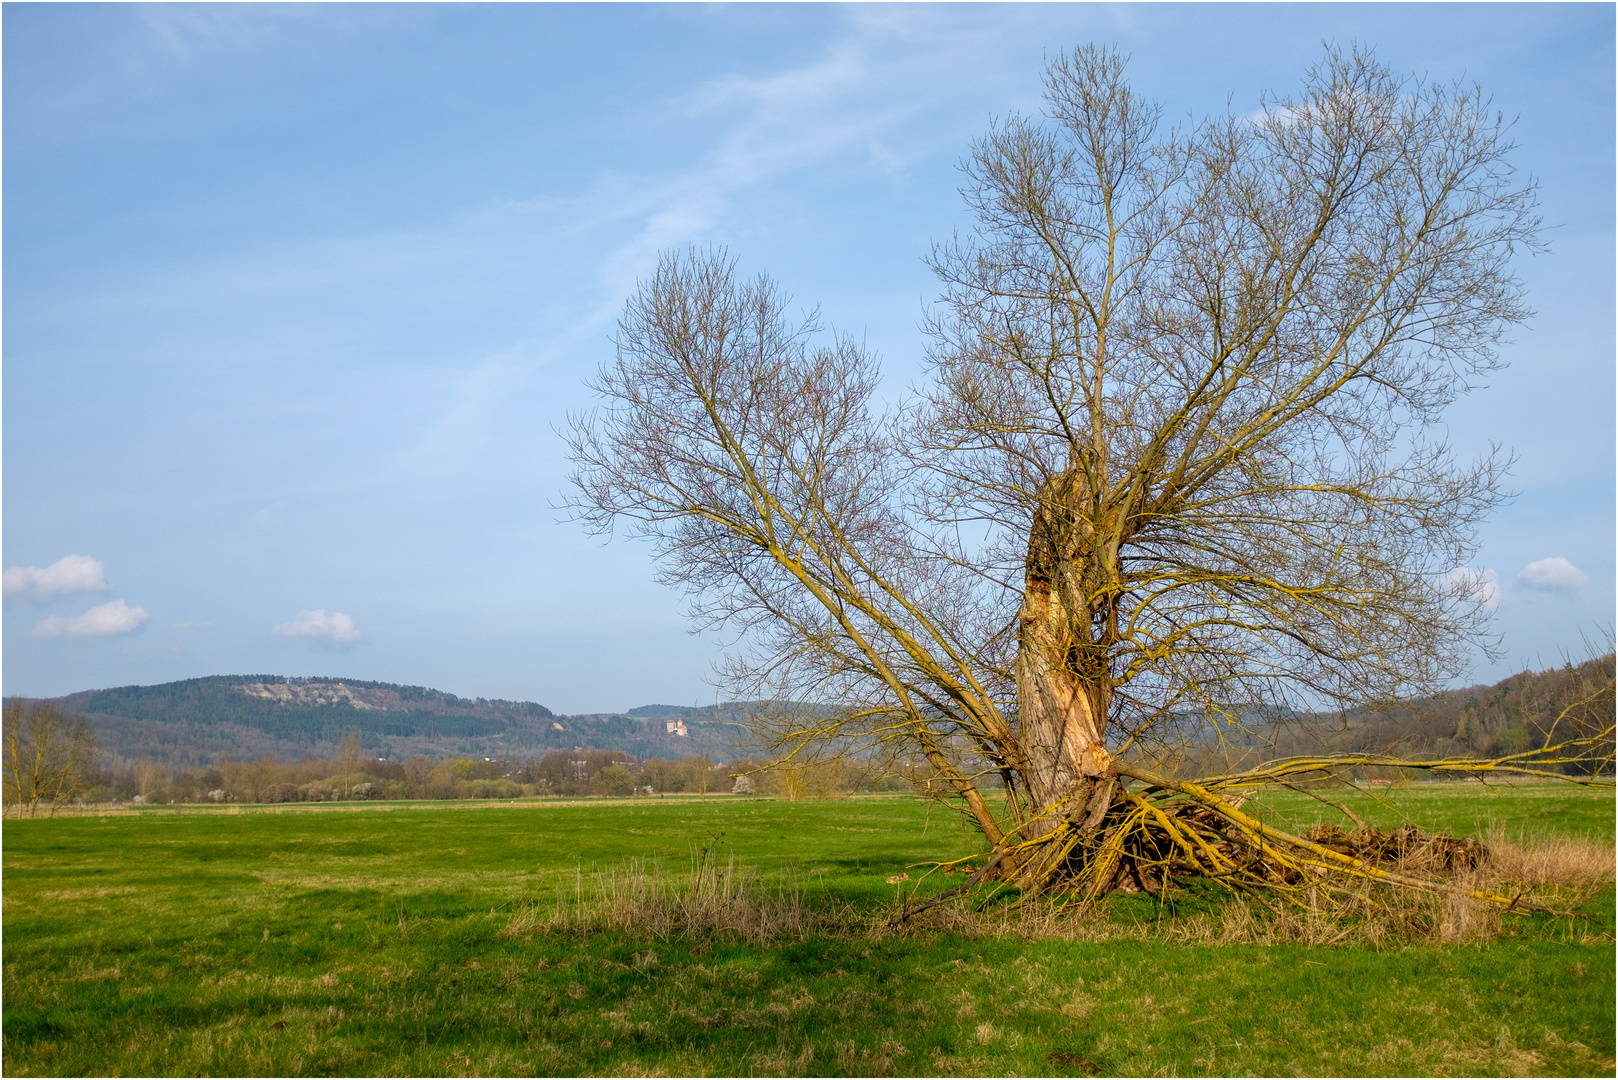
{"points": [[196, 722]]}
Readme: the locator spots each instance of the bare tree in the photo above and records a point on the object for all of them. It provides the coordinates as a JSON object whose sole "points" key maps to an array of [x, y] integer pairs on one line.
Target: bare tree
{"points": [[1177, 459], [348, 761], [46, 754]]}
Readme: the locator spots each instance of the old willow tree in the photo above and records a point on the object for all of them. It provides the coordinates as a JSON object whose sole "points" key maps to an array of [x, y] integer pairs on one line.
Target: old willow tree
{"points": [[1176, 459]]}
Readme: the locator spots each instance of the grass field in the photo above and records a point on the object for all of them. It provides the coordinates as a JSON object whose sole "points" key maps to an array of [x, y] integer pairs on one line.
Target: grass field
{"points": [[392, 940]]}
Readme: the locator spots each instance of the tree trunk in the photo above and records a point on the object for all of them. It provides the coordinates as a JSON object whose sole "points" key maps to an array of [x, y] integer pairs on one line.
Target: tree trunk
{"points": [[1063, 687]]}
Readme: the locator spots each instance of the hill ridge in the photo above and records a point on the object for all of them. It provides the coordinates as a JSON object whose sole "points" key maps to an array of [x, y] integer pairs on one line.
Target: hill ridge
{"points": [[190, 723], [193, 722]]}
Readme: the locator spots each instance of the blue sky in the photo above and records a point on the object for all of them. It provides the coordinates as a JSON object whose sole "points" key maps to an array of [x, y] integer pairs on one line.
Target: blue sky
{"points": [[296, 296]]}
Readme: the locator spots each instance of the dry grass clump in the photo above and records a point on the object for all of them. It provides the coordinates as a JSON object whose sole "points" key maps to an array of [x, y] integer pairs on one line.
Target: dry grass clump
{"points": [[1549, 862], [713, 899], [1558, 872], [643, 899]]}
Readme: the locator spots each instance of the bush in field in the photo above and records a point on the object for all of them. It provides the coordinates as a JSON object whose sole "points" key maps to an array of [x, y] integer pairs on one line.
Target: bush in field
{"points": [[468, 769], [154, 782], [499, 788], [833, 778], [662, 775], [279, 793], [614, 780]]}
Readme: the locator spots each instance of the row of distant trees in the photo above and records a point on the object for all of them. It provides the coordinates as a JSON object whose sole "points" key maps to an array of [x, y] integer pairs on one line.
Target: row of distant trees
{"points": [[558, 773], [349, 775], [50, 761]]}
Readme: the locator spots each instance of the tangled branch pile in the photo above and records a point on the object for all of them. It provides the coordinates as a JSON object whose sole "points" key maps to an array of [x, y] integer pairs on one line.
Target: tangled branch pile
{"points": [[1168, 832]]}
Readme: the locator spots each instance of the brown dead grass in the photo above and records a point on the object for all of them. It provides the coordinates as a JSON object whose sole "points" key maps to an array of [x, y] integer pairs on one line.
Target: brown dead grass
{"points": [[643, 899], [1548, 862]]}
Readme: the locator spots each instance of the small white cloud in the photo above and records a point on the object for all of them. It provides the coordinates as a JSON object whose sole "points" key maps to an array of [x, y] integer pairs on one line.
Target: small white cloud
{"points": [[1481, 587], [106, 620], [69, 574], [1555, 574], [1276, 113], [316, 625]]}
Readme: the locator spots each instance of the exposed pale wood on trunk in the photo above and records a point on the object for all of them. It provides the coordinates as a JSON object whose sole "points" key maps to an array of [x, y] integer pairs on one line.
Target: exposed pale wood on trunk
{"points": [[1062, 690]]}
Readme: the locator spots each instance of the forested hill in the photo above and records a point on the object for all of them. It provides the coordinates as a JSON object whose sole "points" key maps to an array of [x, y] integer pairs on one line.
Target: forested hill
{"points": [[1516, 714], [197, 721], [1523, 712]]}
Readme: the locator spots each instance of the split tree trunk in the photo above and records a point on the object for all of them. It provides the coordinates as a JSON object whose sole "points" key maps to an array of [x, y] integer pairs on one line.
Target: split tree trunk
{"points": [[1063, 687]]}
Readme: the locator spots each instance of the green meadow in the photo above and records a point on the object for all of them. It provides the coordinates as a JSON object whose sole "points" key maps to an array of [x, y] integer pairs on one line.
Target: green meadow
{"points": [[454, 939]]}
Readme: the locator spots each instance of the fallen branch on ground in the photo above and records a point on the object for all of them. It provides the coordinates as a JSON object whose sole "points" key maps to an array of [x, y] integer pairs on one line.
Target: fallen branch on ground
{"points": [[1168, 832]]}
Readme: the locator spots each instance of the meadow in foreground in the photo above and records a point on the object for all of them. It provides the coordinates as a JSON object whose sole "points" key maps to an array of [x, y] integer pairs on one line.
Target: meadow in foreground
{"points": [[471, 940]]}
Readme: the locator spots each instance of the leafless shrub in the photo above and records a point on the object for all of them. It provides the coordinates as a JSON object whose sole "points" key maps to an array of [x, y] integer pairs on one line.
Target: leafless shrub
{"points": [[45, 756]]}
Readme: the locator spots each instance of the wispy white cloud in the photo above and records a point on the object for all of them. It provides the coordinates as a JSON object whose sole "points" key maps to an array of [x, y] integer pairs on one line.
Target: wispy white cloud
{"points": [[463, 427], [112, 619], [316, 626], [1555, 575], [69, 574], [847, 99], [194, 31], [843, 102]]}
